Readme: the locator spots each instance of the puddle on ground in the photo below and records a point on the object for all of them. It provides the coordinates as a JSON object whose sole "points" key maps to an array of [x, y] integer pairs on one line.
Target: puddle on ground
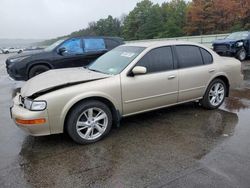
{"points": [[144, 148], [164, 141]]}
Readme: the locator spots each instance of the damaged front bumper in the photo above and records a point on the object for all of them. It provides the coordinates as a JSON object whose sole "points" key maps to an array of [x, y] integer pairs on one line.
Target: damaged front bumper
{"points": [[35, 123]]}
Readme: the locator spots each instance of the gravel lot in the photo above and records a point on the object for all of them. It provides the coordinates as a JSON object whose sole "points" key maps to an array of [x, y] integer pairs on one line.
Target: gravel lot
{"points": [[182, 146], [3, 57]]}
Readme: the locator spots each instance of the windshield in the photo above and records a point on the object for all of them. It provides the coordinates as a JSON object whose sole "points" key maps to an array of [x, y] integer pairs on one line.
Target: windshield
{"points": [[114, 61], [238, 35], [52, 46]]}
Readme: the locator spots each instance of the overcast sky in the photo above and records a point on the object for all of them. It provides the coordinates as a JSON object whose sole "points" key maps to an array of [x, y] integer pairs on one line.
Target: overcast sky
{"points": [[42, 19]]}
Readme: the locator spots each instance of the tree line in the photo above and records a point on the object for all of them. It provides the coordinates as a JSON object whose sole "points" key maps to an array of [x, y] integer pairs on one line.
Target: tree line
{"points": [[172, 19]]}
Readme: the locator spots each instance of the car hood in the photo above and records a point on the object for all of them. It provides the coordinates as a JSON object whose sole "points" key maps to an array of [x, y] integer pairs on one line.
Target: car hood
{"points": [[57, 79], [28, 53], [225, 41]]}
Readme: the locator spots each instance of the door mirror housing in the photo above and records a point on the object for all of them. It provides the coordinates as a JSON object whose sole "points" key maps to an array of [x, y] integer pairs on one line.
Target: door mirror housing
{"points": [[137, 70], [62, 50]]}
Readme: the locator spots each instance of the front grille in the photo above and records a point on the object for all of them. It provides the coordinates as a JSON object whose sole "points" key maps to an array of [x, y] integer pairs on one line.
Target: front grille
{"points": [[221, 47]]}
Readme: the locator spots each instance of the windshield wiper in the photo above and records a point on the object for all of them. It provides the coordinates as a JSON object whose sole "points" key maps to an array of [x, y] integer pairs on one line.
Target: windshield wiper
{"points": [[94, 70]]}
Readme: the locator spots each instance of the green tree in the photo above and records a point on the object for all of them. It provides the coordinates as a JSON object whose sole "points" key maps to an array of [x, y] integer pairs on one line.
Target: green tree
{"points": [[172, 19], [143, 22], [108, 27], [174, 15]]}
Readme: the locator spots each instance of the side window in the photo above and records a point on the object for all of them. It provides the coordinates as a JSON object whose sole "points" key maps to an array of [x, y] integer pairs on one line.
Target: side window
{"points": [[159, 59], [188, 56], [73, 46], [111, 43], [91, 45], [207, 57]]}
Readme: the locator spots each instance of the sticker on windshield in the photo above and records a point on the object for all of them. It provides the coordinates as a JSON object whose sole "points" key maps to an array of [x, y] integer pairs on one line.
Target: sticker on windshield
{"points": [[127, 54]]}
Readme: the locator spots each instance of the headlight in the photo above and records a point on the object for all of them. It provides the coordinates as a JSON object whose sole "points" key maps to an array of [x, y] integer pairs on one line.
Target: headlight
{"points": [[34, 105], [18, 59], [239, 44], [27, 103], [38, 105]]}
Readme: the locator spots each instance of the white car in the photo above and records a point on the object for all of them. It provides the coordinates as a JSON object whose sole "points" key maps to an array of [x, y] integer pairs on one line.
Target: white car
{"points": [[12, 50], [130, 79]]}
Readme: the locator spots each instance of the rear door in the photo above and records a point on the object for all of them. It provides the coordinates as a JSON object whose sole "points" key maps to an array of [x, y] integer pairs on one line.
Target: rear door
{"points": [[196, 67], [93, 48], [157, 88]]}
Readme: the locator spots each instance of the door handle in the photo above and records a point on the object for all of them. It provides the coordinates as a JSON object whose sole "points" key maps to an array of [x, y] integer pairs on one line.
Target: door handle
{"points": [[171, 77], [212, 70]]}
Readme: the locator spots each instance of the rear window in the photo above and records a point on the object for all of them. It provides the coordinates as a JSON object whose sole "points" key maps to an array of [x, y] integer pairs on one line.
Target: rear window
{"points": [[94, 45], [207, 57], [188, 56], [110, 43]]}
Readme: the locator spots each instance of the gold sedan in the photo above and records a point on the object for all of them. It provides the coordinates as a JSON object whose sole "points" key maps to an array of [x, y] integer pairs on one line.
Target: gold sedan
{"points": [[130, 79]]}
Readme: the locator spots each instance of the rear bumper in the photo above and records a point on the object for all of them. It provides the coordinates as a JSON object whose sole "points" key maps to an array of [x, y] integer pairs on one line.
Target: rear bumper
{"points": [[237, 83]]}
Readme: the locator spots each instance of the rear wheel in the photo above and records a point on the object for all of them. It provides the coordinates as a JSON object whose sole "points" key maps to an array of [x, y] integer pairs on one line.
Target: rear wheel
{"points": [[241, 55], [215, 94], [38, 69], [89, 122]]}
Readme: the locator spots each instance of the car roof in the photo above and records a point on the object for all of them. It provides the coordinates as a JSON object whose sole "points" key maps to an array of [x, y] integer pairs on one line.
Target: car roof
{"points": [[153, 44], [104, 37]]}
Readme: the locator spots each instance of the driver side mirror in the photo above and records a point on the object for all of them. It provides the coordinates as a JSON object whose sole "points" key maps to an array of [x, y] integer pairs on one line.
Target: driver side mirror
{"points": [[137, 70], [62, 50]]}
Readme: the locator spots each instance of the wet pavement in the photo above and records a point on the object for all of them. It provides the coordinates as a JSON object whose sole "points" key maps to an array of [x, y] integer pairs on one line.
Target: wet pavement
{"points": [[182, 146]]}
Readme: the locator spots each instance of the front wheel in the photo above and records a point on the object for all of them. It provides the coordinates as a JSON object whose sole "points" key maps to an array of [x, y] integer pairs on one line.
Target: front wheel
{"points": [[38, 69], [89, 122], [241, 55], [215, 94]]}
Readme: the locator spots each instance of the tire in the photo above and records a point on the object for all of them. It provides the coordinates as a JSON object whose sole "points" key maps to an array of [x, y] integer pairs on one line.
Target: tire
{"points": [[6, 52], [241, 54], [215, 95], [86, 131], [37, 69]]}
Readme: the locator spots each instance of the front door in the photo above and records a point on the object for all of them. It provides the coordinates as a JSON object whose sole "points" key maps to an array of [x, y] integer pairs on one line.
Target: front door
{"points": [[157, 88], [74, 55]]}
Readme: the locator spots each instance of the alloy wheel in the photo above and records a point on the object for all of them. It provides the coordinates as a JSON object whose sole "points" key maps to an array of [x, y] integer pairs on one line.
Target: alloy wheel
{"points": [[216, 94], [92, 123]]}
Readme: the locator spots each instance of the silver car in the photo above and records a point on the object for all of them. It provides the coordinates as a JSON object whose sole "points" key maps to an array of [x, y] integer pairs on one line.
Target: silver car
{"points": [[131, 79]]}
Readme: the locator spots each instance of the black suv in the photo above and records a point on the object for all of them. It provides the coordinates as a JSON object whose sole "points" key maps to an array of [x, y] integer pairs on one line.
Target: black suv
{"points": [[71, 52], [236, 44]]}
